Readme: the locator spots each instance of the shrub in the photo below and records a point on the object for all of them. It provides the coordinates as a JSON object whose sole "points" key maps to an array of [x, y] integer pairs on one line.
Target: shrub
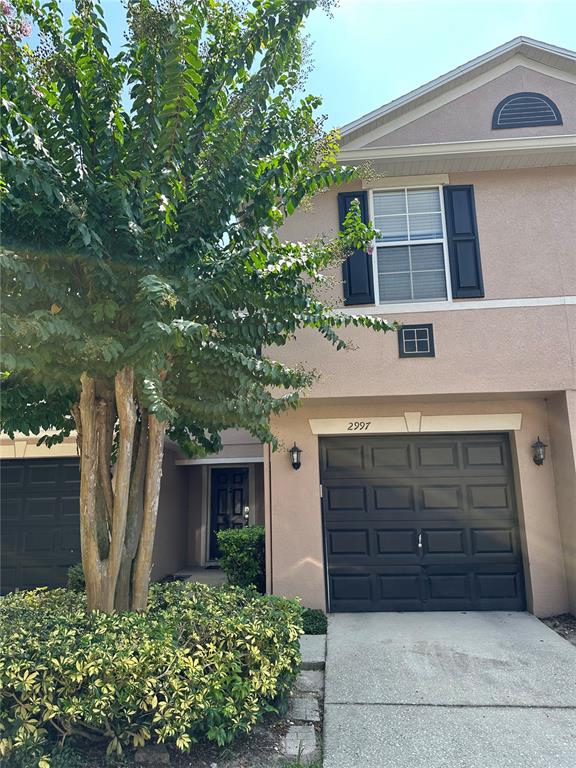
{"points": [[315, 621], [200, 663], [76, 581], [242, 556]]}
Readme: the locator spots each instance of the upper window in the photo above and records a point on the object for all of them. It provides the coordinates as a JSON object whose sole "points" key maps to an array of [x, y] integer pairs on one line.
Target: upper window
{"points": [[524, 110], [410, 245]]}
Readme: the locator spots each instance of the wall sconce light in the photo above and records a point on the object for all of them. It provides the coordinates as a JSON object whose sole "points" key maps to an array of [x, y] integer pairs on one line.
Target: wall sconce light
{"points": [[539, 452], [295, 454]]}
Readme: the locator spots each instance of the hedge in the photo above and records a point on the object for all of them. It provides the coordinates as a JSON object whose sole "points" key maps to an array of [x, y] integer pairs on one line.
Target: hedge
{"points": [[242, 556], [315, 621], [200, 663]]}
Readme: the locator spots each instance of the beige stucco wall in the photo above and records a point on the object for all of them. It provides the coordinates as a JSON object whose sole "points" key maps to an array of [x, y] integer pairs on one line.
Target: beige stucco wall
{"points": [[469, 117], [170, 542], [294, 520], [562, 418], [526, 224], [496, 350], [196, 482], [26, 447], [527, 230]]}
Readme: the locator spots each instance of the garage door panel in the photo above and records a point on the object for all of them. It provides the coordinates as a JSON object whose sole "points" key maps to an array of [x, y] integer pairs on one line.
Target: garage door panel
{"points": [[13, 474], [498, 585], [494, 541], [70, 541], [349, 542], [394, 497], [442, 456], [39, 540], [69, 507], [493, 496], [436, 498], [9, 541], [44, 507], [484, 454], [444, 541], [44, 473], [400, 587], [12, 509], [450, 587], [346, 498], [402, 541], [428, 531], [347, 587], [345, 458], [390, 458]]}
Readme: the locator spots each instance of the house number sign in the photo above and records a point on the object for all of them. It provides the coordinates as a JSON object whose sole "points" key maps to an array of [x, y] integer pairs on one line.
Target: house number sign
{"points": [[358, 426]]}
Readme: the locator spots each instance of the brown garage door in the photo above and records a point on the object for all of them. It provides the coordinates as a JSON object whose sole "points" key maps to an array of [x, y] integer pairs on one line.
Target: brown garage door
{"points": [[40, 522], [420, 523]]}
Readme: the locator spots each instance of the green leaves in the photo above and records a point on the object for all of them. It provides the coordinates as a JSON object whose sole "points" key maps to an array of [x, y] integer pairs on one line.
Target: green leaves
{"points": [[200, 663], [150, 221]]}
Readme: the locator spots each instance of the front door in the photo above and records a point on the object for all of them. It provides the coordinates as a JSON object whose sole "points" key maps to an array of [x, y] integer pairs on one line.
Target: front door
{"points": [[228, 503]]}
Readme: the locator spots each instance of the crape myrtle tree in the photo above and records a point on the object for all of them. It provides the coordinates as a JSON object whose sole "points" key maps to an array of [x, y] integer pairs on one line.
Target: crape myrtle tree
{"points": [[145, 287]]}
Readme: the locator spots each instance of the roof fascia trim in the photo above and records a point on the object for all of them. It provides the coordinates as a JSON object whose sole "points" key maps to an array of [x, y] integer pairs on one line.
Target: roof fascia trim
{"points": [[482, 146]]}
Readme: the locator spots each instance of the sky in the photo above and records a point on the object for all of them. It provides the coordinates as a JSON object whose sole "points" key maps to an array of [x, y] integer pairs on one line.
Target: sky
{"points": [[373, 51]]}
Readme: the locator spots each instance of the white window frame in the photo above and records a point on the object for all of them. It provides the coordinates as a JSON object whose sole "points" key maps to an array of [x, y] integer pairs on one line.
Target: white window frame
{"points": [[405, 305]]}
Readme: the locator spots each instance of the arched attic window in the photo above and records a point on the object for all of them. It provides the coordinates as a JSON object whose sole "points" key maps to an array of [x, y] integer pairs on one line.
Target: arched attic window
{"points": [[524, 110]]}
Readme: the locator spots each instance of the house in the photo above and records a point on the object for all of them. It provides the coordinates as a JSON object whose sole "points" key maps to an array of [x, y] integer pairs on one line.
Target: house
{"points": [[424, 483]]}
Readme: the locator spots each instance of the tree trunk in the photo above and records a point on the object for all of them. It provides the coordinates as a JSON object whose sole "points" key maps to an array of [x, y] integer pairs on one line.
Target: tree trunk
{"points": [[117, 513]]}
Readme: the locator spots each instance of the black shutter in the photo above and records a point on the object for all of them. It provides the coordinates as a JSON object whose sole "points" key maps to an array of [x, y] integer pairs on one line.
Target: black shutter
{"points": [[357, 269], [463, 246]]}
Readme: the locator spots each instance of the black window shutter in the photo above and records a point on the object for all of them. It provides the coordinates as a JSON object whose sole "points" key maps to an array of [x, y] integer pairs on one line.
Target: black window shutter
{"points": [[357, 269], [463, 246]]}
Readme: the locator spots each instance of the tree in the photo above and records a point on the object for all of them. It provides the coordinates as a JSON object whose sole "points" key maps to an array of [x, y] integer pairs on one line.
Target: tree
{"points": [[143, 272]]}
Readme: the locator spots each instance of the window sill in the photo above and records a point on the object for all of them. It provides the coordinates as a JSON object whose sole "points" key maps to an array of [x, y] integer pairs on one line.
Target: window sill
{"points": [[455, 305]]}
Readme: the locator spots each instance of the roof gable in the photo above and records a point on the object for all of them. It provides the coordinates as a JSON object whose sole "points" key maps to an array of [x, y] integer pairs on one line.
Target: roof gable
{"points": [[469, 117], [531, 55]]}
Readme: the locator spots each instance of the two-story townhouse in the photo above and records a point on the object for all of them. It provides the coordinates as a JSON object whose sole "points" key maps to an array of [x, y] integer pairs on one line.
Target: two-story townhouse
{"points": [[418, 487]]}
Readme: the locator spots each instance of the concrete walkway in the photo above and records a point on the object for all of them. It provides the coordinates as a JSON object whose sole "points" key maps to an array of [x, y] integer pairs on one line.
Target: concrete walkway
{"points": [[448, 690]]}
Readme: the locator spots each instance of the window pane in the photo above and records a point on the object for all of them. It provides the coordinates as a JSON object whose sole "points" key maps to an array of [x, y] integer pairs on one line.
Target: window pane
{"points": [[391, 227], [395, 287], [427, 256], [394, 259], [423, 200], [425, 226], [386, 203], [429, 285]]}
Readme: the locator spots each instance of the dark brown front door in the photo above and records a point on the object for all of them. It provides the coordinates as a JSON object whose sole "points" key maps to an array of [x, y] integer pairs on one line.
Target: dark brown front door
{"points": [[420, 523], [40, 531], [229, 502]]}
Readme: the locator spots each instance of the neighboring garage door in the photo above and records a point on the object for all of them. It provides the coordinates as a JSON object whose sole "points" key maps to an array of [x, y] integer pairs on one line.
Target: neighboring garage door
{"points": [[40, 522], [422, 523]]}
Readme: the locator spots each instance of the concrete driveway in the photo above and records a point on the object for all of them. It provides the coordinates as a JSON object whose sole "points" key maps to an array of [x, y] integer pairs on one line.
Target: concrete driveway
{"points": [[448, 690]]}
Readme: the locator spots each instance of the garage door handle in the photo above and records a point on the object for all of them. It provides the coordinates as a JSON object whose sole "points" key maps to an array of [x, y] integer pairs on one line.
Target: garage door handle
{"points": [[419, 539]]}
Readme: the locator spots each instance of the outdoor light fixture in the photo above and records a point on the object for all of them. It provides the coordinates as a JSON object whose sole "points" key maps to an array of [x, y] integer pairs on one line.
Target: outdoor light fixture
{"points": [[539, 452], [295, 453]]}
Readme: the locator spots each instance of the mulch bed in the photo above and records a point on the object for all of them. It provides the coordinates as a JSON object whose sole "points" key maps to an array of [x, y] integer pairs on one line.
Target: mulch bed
{"points": [[564, 625], [259, 749]]}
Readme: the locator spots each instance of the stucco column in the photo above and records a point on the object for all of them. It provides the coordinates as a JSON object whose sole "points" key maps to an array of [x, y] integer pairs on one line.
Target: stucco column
{"points": [[542, 540], [295, 522], [562, 419]]}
